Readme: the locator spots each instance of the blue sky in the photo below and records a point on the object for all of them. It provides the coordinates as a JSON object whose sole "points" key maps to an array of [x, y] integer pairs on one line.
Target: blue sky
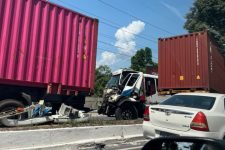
{"points": [[121, 34]]}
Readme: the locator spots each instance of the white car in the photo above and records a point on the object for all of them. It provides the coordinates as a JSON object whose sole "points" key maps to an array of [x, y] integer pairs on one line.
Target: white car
{"points": [[187, 114]]}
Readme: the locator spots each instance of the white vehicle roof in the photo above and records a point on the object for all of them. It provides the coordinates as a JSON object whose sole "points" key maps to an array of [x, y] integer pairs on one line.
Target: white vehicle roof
{"points": [[119, 71], [151, 76]]}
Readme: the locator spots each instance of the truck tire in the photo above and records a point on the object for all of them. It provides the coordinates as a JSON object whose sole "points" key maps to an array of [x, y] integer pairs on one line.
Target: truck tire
{"points": [[126, 112], [118, 113], [9, 104]]}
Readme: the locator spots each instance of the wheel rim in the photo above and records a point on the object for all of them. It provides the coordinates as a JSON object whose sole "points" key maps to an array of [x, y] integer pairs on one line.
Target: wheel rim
{"points": [[127, 114]]}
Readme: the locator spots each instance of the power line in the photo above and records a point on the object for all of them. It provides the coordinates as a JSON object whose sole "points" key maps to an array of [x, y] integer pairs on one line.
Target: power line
{"points": [[153, 10], [124, 12], [123, 60], [103, 42], [111, 24], [88, 12], [140, 36], [118, 61], [122, 54], [112, 45], [105, 35], [112, 38], [118, 47]]}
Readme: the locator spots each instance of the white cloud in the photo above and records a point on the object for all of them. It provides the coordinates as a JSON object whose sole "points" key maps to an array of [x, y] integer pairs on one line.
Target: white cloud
{"points": [[125, 37], [174, 10], [107, 58], [125, 43]]}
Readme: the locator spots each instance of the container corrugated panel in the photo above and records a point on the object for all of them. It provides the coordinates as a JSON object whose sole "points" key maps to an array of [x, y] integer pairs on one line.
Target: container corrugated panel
{"points": [[216, 68], [185, 62], [42, 43]]}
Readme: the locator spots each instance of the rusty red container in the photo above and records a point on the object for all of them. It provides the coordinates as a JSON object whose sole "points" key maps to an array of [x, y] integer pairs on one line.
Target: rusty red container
{"points": [[43, 43], [191, 61]]}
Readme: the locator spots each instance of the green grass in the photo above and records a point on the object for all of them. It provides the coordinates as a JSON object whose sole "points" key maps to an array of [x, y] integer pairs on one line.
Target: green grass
{"points": [[100, 122], [90, 122]]}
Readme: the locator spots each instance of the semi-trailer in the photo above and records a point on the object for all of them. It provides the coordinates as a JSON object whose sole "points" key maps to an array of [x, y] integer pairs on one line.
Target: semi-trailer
{"points": [[189, 63], [47, 52]]}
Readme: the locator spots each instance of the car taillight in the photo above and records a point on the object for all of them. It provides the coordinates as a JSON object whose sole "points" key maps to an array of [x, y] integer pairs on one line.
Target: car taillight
{"points": [[146, 114], [200, 122]]}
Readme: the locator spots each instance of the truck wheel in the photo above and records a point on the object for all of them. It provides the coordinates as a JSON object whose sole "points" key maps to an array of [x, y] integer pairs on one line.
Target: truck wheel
{"points": [[126, 112], [10, 104], [118, 113], [100, 110]]}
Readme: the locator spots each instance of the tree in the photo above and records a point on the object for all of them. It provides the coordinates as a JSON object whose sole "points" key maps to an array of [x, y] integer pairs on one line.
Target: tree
{"points": [[141, 59], [102, 76], [208, 15]]}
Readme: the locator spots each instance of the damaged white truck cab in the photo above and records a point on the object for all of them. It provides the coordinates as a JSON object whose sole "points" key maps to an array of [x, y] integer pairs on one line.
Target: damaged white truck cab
{"points": [[127, 93]]}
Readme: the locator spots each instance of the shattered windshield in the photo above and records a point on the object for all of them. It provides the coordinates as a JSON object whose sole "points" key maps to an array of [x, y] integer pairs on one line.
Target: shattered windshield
{"points": [[113, 82]]}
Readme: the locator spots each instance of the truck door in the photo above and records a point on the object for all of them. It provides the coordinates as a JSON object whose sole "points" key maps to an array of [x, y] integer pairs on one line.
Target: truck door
{"points": [[151, 90], [133, 84], [152, 96]]}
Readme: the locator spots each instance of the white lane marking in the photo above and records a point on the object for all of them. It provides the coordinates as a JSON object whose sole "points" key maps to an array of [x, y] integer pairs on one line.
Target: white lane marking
{"points": [[130, 148]]}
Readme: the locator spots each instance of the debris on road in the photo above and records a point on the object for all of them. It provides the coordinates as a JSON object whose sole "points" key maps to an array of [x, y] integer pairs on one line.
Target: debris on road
{"points": [[39, 114]]}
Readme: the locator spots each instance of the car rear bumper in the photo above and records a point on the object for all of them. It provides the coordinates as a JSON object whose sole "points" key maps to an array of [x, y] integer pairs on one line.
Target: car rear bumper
{"points": [[152, 131]]}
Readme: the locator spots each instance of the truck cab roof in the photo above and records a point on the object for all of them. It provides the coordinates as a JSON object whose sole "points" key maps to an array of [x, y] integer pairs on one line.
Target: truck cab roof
{"points": [[119, 71], [151, 76]]}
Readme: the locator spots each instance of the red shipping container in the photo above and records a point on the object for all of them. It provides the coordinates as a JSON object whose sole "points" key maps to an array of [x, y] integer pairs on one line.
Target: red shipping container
{"points": [[191, 61], [43, 43]]}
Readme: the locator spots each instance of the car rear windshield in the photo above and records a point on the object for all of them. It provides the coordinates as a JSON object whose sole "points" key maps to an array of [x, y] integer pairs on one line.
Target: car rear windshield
{"points": [[201, 102]]}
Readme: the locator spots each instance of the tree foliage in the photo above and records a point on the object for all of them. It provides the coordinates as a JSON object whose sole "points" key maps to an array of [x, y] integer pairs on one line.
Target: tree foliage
{"points": [[141, 59], [102, 76], [208, 15]]}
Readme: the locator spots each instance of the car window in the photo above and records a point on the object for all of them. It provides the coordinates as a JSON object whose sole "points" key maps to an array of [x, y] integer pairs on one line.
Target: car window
{"points": [[201, 102], [133, 79], [150, 86], [126, 79], [124, 76]]}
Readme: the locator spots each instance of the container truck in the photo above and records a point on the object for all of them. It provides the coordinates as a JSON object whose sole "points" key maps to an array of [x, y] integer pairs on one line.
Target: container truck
{"points": [[46, 52], [189, 63]]}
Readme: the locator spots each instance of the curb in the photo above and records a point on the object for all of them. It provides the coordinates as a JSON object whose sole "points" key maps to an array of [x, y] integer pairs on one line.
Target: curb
{"points": [[65, 138], [75, 145]]}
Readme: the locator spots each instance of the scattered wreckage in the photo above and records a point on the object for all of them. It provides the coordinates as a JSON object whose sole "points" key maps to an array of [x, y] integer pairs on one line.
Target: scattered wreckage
{"points": [[39, 114]]}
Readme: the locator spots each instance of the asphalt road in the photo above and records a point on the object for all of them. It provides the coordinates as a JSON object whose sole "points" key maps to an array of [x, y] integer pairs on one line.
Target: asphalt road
{"points": [[127, 144]]}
